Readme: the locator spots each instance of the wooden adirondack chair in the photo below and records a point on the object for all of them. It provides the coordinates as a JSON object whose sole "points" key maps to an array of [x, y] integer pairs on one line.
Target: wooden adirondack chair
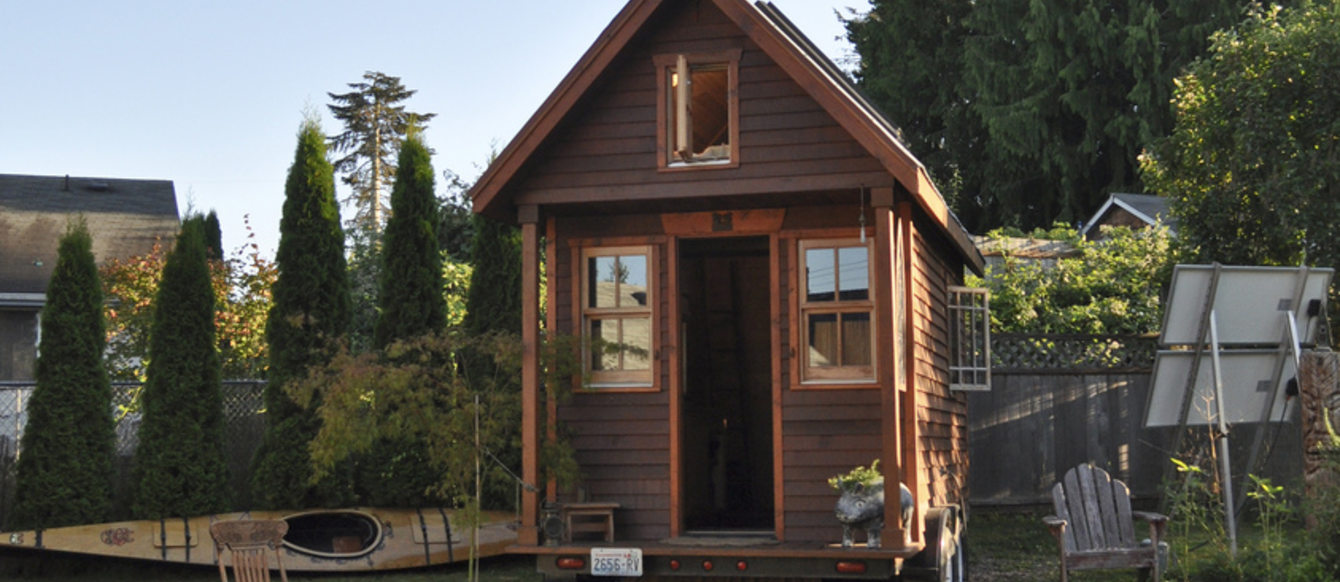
{"points": [[246, 541], [1093, 524]]}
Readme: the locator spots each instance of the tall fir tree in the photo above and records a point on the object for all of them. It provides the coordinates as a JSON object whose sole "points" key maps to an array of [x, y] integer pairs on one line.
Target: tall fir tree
{"points": [[411, 297], [180, 467], [375, 122], [64, 476], [309, 315]]}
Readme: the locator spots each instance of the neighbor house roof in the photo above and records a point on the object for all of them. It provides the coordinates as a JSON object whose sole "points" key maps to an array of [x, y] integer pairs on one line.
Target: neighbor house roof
{"points": [[125, 218], [786, 46], [1144, 208]]}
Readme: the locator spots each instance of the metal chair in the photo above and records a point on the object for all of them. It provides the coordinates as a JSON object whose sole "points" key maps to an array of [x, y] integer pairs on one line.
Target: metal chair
{"points": [[247, 542]]}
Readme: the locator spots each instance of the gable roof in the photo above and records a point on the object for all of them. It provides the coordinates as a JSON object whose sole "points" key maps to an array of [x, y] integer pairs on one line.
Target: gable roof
{"points": [[125, 218], [786, 46], [1148, 208]]}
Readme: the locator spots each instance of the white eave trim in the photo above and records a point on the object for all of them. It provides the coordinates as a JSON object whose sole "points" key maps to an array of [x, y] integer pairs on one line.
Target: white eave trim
{"points": [[23, 299]]}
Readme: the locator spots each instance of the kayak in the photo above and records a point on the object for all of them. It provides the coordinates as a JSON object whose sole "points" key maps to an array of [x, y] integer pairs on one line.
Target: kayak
{"points": [[318, 540]]}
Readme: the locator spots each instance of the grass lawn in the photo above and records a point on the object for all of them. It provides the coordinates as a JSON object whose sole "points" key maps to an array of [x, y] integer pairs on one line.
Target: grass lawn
{"points": [[1016, 547]]}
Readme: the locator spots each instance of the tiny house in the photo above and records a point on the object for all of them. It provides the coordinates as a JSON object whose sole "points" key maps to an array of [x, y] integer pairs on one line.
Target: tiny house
{"points": [[781, 282]]}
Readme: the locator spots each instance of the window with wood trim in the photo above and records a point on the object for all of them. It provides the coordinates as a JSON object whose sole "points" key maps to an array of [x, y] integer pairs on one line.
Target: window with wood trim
{"points": [[969, 338], [617, 315], [698, 110], [837, 311]]}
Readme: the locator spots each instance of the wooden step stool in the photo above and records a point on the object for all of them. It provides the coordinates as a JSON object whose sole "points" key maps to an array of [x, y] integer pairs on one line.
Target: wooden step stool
{"points": [[588, 518]]}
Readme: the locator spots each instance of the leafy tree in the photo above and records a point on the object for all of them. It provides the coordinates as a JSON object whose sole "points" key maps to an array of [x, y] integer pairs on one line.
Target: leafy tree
{"points": [[411, 298], [309, 315], [1030, 111], [241, 299], [375, 122], [1253, 164], [179, 465], [64, 476], [1111, 286]]}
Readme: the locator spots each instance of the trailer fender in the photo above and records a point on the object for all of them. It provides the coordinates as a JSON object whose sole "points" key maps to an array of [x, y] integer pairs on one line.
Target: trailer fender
{"points": [[942, 559]]}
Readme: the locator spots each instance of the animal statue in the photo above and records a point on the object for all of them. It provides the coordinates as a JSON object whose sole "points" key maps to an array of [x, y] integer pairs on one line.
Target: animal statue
{"points": [[861, 506]]}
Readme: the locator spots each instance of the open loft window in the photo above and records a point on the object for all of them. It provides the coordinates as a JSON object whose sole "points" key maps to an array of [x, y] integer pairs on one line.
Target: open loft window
{"points": [[699, 110], [836, 312], [617, 316], [969, 338]]}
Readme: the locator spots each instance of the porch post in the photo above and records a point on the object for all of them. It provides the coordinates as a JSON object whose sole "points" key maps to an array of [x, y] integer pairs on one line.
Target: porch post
{"points": [[887, 360], [528, 534]]}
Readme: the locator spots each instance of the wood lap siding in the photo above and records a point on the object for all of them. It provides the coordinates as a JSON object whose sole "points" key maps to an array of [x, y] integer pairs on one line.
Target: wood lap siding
{"points": [[622, 449], [941, 414], [609, 141], [824, 433]]}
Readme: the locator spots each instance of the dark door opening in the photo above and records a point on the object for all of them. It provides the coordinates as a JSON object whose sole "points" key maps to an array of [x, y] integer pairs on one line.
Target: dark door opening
{"points": [[724, 288]]}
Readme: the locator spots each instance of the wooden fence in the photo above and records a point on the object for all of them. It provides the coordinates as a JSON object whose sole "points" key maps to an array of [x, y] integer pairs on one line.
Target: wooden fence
{"points": [[1047, 412]]}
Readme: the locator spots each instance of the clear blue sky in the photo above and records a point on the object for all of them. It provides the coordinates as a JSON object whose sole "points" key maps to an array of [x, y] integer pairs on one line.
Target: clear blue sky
{"points": [[210, 94]]}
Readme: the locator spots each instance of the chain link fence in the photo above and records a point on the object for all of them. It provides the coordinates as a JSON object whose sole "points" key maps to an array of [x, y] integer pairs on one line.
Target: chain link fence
{"points": [[244, 426]]}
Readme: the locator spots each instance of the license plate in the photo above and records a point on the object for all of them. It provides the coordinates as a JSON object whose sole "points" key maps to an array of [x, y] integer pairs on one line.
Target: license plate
{"points": [[616, 562]]}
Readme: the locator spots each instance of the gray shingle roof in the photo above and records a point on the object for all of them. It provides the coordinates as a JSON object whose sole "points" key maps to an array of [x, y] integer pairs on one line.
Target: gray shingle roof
{"points": [[125, 218]]}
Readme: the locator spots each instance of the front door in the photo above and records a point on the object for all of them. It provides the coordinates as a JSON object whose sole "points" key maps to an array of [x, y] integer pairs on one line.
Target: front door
{"points": [[724, 295]]}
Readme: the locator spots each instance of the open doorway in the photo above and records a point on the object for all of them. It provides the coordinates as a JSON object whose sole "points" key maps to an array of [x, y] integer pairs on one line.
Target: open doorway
{"points": [[724, 288]]}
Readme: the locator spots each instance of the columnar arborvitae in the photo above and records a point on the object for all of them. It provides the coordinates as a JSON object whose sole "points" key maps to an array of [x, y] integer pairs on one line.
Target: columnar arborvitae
{"points": [[411, 277], [213, 236], [180, 469], [309, 315], [65, 468], [493, 305], [396, 471]]}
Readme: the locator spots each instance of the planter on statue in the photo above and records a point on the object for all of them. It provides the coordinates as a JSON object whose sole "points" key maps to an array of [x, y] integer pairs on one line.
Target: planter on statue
{"points": [[861, 507]]}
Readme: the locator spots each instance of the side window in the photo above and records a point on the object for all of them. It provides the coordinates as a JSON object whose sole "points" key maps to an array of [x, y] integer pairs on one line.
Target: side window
{"points": [[617, 316], [698, 124], [836, 311], [969, 338]]}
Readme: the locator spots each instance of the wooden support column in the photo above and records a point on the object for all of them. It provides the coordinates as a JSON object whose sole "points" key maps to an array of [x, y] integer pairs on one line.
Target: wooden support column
{"points": [[886, 361], [909, 439], [528, 533]]}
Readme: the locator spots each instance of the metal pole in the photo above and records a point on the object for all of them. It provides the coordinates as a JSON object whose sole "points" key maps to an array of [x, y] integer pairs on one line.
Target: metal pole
{"points": [[1226, 467]]}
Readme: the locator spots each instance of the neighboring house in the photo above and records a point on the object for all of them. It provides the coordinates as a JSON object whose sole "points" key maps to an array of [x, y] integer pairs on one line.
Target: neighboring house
{"points": [[707, 187], [125, 218], [1136, 211]]}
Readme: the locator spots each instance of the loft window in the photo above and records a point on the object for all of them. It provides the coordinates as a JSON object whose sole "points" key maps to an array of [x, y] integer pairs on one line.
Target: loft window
{"points": [[617, 316], [969, 338], [836, 311], [699, 110]]}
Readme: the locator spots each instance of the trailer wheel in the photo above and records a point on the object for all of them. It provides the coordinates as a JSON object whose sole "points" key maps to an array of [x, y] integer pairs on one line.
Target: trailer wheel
{"points": [[942, 560]]}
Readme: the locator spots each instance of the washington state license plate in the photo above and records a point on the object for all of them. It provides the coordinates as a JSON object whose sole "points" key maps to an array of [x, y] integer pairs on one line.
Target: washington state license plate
{"points": [[616, 562]]}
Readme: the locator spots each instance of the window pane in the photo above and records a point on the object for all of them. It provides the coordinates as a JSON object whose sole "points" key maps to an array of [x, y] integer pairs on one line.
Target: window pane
{"points": [[637, 334], [856, 339], [819, 274], [632, 274], [823, 339], [604, 333], [854, 274], [600, 282]]}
